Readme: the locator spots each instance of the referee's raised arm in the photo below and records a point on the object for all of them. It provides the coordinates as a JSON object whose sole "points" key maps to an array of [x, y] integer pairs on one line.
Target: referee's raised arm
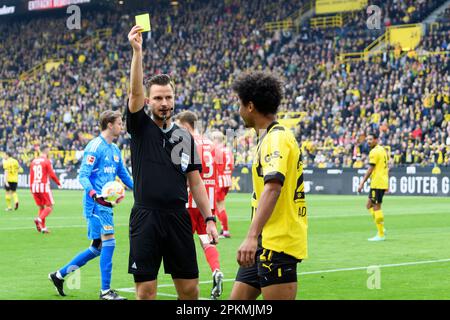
{"points": [[137, 97]]}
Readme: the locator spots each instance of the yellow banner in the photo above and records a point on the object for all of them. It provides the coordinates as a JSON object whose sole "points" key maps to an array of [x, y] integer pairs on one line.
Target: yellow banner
{"points": [[49, 66], [334, 6], [407, 36]]}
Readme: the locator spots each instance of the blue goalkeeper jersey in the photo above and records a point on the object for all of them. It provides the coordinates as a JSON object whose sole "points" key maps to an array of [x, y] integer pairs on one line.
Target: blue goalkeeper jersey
{"points": [[102, 162]]}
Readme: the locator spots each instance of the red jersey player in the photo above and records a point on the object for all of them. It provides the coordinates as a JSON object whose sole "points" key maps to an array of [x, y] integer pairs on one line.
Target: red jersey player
{"points": [[205, 149], [224, 161], [41, 171]]}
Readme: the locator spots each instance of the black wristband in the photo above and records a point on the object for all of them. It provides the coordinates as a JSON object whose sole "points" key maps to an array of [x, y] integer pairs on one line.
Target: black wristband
{"points": [[210, 218]]}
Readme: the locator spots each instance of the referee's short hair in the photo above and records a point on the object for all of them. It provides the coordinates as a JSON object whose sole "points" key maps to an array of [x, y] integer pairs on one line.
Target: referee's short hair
{"points": [[161, 80], [262, 88], [108, 116], [187, 117]]}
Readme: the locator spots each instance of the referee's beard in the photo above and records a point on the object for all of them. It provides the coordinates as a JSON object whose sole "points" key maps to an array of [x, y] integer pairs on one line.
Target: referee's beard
{"points": [[159, 115]]}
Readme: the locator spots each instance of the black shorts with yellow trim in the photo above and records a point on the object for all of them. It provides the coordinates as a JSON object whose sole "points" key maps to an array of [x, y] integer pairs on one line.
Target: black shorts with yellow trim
{"points": [[376, 195], [270, 268], [12, 186]]}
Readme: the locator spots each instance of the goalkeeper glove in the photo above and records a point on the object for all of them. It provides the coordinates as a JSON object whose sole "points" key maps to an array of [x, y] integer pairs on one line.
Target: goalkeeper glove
{"points": [[99, 199]]}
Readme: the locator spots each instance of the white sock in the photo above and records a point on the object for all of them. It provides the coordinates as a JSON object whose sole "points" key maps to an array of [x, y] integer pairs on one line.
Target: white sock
{"points": [[59, 276], [105, 291]]}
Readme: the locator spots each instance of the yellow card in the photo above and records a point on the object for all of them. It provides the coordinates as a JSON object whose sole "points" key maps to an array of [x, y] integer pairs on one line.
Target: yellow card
{"points": [[143, 20]]}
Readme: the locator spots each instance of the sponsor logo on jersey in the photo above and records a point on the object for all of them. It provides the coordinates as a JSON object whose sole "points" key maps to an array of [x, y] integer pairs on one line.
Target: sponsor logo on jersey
{"points": [[110, 169], [90, 160], [184, 161], [276, 154], [116, 158]]}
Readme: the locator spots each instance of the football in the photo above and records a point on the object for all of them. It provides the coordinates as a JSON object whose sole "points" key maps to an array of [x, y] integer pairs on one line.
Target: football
{"points": [[113, 192]]}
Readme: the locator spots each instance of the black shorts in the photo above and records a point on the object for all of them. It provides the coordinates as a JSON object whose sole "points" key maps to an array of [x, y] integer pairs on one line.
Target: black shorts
{"points": [[157, 235], [12, 186], [270, 268], [376, 195]]}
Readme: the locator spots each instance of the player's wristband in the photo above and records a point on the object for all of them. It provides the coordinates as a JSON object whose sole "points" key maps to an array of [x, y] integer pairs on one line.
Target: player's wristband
{"points": [[210, 218], [92, 194]]}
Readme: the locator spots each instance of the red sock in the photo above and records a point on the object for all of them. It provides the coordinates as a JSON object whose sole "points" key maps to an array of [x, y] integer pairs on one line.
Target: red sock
{"points": [[44, 214], [218, 214], [40, 212], [212, 256], [223, 220]]}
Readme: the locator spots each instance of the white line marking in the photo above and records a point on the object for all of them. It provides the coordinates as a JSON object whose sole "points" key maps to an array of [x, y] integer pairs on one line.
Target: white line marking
{"points": [[234, 219], [132, 290], [57, 227], [324, 271], [381, 266], [52, 218], [348, 215]]}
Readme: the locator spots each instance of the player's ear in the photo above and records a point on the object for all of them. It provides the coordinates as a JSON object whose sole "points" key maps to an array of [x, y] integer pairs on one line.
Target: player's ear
{"points": [[146, 100], [250, 106]]}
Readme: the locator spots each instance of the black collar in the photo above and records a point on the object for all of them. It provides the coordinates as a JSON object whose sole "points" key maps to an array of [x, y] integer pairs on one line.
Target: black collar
{"points": [[273, 124]]}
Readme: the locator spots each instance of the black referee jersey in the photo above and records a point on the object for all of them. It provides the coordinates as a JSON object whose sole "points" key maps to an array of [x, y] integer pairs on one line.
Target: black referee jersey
{"points": [[160, 162]]}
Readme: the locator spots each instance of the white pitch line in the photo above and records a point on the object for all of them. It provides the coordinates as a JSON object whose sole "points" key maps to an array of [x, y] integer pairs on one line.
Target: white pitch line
{"points": [[327, 271], [381, 266], [236, 219], [56, 227], [349, 215], [132, 290]]}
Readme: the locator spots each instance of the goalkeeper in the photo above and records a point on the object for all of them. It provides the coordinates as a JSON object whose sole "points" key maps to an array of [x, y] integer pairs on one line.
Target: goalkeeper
{"points": [[102, 162]]}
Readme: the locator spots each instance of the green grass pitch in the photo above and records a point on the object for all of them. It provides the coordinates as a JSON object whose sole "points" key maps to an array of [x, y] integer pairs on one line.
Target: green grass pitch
{"points": [[414, 262]]}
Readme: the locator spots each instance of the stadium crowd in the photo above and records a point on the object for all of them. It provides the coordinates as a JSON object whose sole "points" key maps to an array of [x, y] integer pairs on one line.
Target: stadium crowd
{"points": [[204, 45]]}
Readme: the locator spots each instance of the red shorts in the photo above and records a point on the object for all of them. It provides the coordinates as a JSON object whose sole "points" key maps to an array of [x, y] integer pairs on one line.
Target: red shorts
{"points": [[221, 193], [43, 199], [197, 220]]}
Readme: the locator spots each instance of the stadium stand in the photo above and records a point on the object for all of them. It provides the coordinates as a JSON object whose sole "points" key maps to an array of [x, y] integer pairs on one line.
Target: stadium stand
{"points": [[204, 45]]}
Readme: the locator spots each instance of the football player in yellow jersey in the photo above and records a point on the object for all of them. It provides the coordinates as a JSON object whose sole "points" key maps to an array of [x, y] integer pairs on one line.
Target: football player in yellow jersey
{"points": [[379, 183], [277, 238], [11, 168]]}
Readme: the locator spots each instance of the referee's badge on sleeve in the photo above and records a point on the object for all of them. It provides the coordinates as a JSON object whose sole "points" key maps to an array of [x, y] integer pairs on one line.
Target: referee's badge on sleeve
{"points": [[184, 161]]}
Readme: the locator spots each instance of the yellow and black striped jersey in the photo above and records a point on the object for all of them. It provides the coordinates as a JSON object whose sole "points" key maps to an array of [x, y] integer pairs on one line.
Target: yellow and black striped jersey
{"points": [[278, 157], [12, 168], [380, 175]]}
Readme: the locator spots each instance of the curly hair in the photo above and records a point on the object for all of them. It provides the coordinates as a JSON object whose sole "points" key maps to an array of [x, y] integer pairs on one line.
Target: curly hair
{"points": [[262, 88]]}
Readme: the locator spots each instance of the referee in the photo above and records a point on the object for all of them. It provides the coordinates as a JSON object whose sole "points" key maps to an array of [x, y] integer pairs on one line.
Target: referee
{"points": [[164, 163]]}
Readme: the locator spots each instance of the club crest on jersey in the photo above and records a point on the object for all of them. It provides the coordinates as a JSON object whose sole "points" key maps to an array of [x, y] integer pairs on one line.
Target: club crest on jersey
{"points": [[116, 158], [90, 160], [184, 161]]}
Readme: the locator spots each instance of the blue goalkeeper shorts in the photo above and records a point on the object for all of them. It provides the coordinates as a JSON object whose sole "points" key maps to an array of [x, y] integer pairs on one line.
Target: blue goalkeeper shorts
{"points": [[100, 222]]}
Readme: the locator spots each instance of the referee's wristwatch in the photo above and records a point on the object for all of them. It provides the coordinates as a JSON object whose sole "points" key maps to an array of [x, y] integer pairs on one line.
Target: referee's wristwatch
{"points": [[210, 218]]}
